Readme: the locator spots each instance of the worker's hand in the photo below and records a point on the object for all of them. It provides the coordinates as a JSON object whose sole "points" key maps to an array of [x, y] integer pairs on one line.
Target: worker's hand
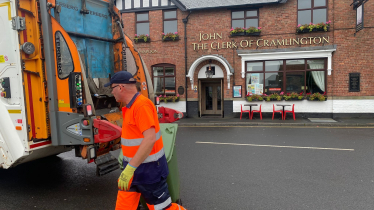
{"points": [[125, 179]]}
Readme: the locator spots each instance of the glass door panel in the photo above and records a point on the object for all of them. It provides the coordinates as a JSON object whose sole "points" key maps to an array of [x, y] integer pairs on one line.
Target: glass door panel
{"points": [[208, 98]]}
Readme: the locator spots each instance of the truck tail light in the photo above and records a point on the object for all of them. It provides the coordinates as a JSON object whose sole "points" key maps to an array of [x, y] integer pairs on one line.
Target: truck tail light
{"points": [[87, 110]]}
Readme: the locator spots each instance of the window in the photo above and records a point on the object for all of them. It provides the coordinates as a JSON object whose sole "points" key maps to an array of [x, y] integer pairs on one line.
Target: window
{"points": [[164, 79], [170, 21], [142, 23], [301, 75], [65, 63], [244, 19], [311, 11]]}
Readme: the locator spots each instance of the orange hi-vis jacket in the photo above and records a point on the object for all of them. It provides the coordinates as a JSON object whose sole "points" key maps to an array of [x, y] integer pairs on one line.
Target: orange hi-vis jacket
{"points": [[139, 115]]}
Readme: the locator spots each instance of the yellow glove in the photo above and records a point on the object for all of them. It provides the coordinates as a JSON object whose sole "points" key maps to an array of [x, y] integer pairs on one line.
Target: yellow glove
{"points": [[125, 179]]}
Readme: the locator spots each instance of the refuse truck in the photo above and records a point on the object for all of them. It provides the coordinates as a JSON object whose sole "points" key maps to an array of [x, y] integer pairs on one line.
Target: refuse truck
{"points": [[55, 57]]}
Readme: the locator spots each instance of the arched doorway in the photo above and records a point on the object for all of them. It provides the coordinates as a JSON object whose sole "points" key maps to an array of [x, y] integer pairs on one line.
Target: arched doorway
{"points": [[211, 87]]}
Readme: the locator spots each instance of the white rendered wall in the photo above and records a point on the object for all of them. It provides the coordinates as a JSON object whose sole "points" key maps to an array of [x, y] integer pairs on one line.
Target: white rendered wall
{"points": [[179, 106], [305, 106]]}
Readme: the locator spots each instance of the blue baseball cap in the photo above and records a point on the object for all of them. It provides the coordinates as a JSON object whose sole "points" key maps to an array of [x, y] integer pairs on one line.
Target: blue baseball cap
{"points": [[122, 77]]}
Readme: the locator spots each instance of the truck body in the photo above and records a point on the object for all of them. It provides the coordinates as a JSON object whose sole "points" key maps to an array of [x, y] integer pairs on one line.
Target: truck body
{"points": [[55, 57]]}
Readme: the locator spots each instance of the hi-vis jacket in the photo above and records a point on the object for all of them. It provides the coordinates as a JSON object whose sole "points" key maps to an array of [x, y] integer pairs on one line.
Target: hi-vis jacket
{"points": [[140, 115]]}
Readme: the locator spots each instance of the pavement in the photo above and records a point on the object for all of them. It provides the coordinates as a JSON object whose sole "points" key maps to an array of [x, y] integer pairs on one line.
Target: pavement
{"points": [[307, 122]]}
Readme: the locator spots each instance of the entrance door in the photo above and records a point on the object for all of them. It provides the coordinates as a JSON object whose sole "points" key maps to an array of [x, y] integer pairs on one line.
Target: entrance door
{"points": [[211, 98]]}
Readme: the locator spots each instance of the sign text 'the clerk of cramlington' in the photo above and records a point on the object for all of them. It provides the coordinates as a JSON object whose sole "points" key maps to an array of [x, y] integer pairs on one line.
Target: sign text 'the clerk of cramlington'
{"points": [[216, 45]]}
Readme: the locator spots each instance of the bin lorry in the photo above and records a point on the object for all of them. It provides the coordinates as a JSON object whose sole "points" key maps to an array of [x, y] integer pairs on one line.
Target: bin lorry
{"points": [[55, 57]]}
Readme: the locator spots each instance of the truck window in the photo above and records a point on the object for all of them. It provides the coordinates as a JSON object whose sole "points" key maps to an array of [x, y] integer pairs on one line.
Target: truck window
{"points": [[64, 60]]}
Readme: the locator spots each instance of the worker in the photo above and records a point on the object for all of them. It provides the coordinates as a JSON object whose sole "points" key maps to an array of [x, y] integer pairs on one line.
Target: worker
{"points": [[144, 158]]}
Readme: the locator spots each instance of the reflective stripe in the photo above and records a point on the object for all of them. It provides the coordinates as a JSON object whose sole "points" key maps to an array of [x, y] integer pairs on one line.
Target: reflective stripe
{"points": [[137, 142], [150, 158], [163, 205]]}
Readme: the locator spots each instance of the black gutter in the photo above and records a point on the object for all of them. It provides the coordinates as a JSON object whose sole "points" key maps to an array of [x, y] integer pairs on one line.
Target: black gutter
{"points": [[185, 20]]}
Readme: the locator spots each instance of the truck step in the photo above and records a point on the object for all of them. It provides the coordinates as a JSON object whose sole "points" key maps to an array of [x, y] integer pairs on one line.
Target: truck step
{"points": [[106, 164]]}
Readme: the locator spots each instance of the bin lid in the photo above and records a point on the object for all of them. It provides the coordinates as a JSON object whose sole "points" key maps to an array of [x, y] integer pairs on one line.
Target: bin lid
{"points": [[169, 132]]}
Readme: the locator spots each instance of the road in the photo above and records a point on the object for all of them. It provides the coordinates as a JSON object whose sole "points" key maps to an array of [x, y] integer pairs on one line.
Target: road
{"points": [[221, 168]]}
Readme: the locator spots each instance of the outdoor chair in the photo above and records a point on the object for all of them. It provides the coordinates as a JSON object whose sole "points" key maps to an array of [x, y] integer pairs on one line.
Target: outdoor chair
{"points": [[241, 111], [291, 111], [257, 111], [274, 111]]}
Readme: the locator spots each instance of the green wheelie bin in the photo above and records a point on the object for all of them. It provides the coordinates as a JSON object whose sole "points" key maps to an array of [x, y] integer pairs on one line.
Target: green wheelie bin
{"points": [[169, 132]]}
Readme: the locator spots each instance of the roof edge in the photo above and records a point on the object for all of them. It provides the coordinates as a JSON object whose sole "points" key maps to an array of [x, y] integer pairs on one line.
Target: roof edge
{"points": [[180, 5], [241, 5]]}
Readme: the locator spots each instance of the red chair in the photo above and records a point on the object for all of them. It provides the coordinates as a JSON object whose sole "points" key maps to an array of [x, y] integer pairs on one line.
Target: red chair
{"points": [[276, 111], [241, 111], [257, 111], [292, 111]]}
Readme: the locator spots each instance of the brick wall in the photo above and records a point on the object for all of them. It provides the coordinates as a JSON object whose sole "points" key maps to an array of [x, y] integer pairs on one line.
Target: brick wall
{"points": [[354, 53]]}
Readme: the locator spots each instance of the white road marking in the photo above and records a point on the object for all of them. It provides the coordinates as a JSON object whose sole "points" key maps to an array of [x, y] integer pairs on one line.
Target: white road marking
{"points": [[261, 145]]}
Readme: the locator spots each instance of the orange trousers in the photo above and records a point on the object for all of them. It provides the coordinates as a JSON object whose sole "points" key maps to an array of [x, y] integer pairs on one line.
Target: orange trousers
{"points": [[130, 201]]}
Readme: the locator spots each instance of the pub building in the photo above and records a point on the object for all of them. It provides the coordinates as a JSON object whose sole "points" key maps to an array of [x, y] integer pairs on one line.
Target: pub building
{"points": [[197, 50]]}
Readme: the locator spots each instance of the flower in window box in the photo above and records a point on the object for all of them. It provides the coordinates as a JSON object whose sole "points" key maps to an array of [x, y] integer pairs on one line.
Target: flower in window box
{"points": [[142, 37], [317, 96], [254, 97], [170, 36], [300, 97], [253, 31], [313, 27], [291, 96], [273, 97], [166, 99], [238, 31]]}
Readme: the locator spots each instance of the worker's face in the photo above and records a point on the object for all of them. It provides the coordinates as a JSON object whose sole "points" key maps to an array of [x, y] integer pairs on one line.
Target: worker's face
{"points": [[116, 91]]}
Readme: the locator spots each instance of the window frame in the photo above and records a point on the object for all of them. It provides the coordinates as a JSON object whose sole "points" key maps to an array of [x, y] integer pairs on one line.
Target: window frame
{"points": [[311, 9], [164, 65], [169, 19], [246, 17], [136, 22], [71, 56], [284, 71]]}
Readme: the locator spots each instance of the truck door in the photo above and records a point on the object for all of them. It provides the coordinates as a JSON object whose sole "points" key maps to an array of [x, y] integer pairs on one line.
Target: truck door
{"points": [[13, 121]]}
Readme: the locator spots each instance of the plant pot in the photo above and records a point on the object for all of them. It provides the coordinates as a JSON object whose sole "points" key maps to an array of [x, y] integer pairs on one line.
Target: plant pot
{"points": [[306, 30], [316, 99], [253, 34], [296, 99], [170, 39], [238, 34], [142, 40], [253, 100], [169, 100]]}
